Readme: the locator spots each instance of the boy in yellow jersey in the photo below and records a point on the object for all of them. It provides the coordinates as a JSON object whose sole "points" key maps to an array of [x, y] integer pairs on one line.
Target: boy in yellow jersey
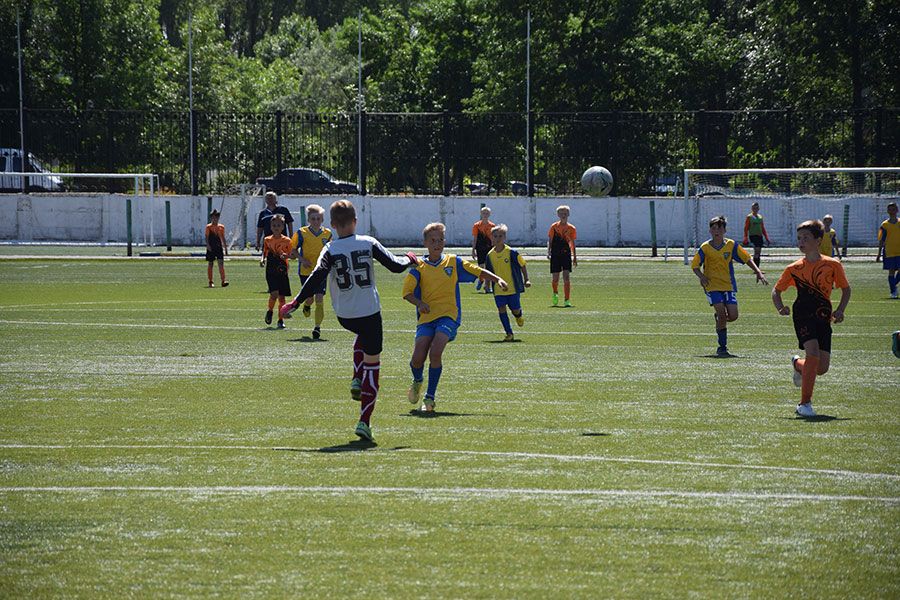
{"points": [[276, 251], [509, 265], [814, 276], [829, 244], [755, 231], [307, 244], [889, 247], [481, 242], [717, 257], [433, 287]]}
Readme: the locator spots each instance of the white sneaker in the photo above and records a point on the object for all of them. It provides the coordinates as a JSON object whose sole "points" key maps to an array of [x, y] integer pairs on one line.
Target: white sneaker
{"points": [[805, 410], [894, 295], [798, 376]]}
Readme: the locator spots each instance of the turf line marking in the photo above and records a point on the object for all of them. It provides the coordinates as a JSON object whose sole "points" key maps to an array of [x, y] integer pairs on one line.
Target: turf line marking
{"points": [[404, 331], [450, 491], [514, 455]]}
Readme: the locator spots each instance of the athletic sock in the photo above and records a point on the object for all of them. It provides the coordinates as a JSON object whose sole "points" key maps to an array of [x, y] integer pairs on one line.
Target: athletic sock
{"points": [[369, 391], [320, 313], [567, 287], [221, 273], [810, 366], [271, 302], [281, 301], [434, 375], [504, 318], [357, 359], [209, 272], [892, 283], [417, 372], [723, 337], [555, 286]]}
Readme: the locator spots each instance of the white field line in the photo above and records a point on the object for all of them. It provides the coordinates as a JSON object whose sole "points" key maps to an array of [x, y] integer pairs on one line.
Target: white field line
{"points": [[510, 455], [784, 333], [529, 493]]}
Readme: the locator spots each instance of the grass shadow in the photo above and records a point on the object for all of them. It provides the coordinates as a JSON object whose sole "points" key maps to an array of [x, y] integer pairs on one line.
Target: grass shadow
{"points": [[818, 418], [308, 340], [515, 341], [421, 414], [595, 434], [720, 356]]}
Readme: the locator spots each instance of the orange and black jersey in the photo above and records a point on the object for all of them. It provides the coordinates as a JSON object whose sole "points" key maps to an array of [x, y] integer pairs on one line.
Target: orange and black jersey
{"points": [[481, 234], [273, 248], [215, 236], [814, 282], [562, 239]]}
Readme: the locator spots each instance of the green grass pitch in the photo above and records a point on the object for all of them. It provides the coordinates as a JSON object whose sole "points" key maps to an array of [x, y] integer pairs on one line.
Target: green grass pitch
{"points": [[157, 439]]}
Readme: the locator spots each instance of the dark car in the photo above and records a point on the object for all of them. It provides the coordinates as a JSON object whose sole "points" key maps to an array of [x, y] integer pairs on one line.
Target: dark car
{"points": [[520, 188], [476, 188], [306, 181]]}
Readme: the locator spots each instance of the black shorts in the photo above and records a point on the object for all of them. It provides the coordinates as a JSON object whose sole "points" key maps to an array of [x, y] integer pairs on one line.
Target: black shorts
{"points": [[481, 252], [369, 330], [215, 254], [321, 289], [757, 241], [277, 279], [560, 262], [813, 328]]}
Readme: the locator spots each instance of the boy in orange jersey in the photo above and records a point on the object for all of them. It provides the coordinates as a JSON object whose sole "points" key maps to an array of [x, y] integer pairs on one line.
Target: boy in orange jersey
{"points": [[275, 254], [481, 243], [561, 252], [814, 276], [216, 248]]}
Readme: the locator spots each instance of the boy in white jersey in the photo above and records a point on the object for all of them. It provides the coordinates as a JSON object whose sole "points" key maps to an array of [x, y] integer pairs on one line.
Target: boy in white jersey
{"points": [[347, 262]]}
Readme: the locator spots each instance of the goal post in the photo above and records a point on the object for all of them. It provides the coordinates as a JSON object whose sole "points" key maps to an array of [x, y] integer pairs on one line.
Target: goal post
{"points": [[855, 196]]}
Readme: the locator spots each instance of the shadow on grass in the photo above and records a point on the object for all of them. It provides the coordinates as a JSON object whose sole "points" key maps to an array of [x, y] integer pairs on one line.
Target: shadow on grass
{"points": [[594, 434], [421, 414], [308, 340], [720, 356], [818, 418], [352, 446], [514, 341]]}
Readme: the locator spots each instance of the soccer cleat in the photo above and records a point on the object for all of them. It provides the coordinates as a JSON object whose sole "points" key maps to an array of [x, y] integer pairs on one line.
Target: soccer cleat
{"points": [[509, 338], [224, 284], [722, 352], [415, 392], [306, 310], [478, 285], [520, 321], [428, 405], [211, 284], [355, 389], [280, 324], [364, 432], [894, 295], [567, 304], [317, 333], [287, 309], [805, 410], [798, 376], [555, 299], [268, 317]]}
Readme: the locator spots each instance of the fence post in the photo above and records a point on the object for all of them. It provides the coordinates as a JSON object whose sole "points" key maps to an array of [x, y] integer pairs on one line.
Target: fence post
{"points": [[653, 228], [195, 158], [168, 226], [529, 159], [25, 163], [279, 164], [445, 152], [788, 139], [128, 223], [109, 141], [846, 229], [363, 168], [615, 136], [701, 138]]}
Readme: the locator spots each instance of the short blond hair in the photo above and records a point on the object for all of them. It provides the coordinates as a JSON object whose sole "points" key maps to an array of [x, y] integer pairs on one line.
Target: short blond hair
{"points": [[433, 227], [485, 208], [501, 228], [342, 213], [828, 218], [314, 209], [564, 207], [278, 217]]}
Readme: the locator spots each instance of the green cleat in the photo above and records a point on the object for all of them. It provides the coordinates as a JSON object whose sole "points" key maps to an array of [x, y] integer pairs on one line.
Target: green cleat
{"points": [[520, 321], [555, 299], [306, 310], [567, 304], [364, 432], [415, 392], [355, 389]]}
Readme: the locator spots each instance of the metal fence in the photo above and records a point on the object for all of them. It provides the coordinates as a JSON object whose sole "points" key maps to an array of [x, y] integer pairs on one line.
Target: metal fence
{"points": [[450, 153]]}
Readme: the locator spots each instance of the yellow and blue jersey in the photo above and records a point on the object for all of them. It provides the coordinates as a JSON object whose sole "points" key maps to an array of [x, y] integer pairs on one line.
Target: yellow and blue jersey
{"points": [[437, 284], [309, 245], [718, 264], [828, 243], [507, 265], [889, 233]]}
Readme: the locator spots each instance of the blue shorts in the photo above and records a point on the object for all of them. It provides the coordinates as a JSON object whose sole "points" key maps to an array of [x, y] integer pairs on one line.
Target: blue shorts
{"points": [[891, 263], [444, 324], [722, 298], [513, 301]]}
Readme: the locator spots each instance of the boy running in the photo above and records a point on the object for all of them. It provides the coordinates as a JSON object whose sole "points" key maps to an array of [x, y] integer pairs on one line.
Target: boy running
{"points": [[307, 244], [889, 247], [755, 231], [509, 265], [829, 245], [347, 263], [216, 248], [481, 242], [433, 287], [717, 256], [814, 276], [561, 252], [275, 254]]}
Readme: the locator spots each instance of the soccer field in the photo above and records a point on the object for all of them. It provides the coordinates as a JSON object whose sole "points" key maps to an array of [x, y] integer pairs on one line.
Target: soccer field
{"points": [[159, 440]]}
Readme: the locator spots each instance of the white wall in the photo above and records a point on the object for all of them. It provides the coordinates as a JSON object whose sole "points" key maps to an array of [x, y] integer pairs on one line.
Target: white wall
{"points": [[398, 220]]}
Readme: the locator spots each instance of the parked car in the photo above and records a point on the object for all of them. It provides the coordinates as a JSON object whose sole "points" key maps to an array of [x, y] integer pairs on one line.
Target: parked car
{"points": [[520, 188], [306, 181], [475, 188], [11, 162]]}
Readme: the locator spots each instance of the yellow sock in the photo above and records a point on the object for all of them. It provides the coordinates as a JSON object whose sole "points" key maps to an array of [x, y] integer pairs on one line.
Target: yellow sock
{"points": [[320, 313]]}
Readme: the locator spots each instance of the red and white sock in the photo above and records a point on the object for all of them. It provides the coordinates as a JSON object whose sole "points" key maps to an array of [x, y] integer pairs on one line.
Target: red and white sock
{"points": [[370, 372], [357, 359]]}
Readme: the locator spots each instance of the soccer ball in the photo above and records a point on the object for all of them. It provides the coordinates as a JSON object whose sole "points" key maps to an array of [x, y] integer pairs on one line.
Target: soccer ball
{"points": [[597, 181]]}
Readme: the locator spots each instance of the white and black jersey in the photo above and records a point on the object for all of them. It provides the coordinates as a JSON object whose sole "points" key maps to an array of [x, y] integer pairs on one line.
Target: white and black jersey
{"points": [[348, 264]]}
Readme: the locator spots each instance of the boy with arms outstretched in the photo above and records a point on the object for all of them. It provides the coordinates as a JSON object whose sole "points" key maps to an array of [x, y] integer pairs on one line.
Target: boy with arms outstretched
{"points": [[717, 256], [307, 244], [814, 276], [561, 253], [348, 264], [275, 254], [433, 287], [481, 242], [216, 248], [509, 265], [889, 247]]}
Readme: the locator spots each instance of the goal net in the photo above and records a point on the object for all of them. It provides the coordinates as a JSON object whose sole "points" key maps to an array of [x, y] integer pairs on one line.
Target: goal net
{"points": [[855, 197]]}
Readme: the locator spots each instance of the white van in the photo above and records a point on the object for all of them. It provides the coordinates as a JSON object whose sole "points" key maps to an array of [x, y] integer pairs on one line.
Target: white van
{"points": [[11, 162]]}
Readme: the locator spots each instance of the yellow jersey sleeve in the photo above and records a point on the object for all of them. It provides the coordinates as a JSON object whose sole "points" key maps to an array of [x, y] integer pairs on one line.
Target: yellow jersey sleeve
{"points": [[295, 240], [742, 253], [410, 282]]}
